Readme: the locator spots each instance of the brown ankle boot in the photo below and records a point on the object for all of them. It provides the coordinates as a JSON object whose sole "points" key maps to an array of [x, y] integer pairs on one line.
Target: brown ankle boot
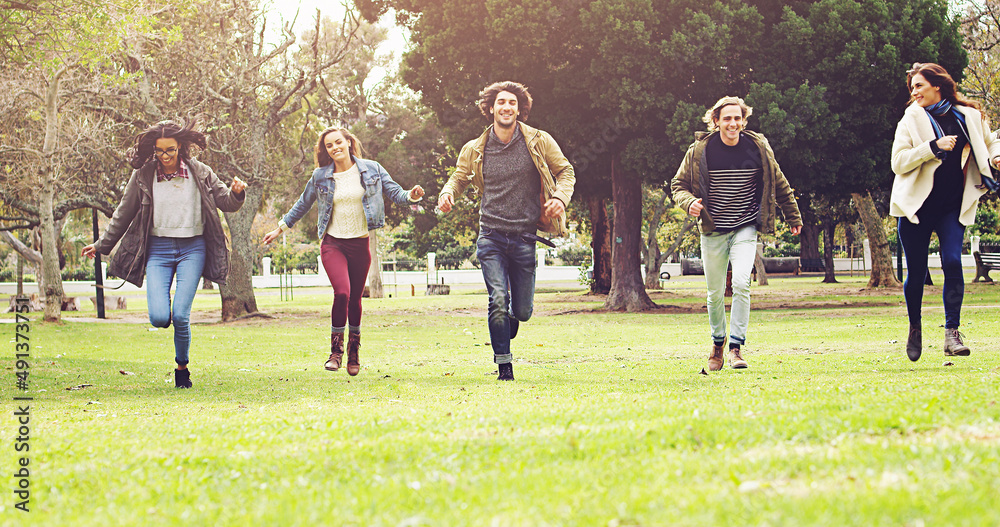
{"points": [[353, 343], [953, 345], [715, 360], [336, 352], [736, 361]]}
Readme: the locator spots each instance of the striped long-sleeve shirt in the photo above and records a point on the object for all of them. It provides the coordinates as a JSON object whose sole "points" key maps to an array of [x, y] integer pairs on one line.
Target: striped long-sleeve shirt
{"points": [[734, 189]]}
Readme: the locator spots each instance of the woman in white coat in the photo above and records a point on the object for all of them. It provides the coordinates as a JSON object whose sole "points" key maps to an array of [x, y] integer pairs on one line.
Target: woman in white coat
{"points": [[942, 149]]}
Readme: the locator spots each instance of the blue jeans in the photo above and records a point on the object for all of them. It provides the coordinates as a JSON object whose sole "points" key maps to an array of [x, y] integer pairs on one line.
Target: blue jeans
{"points": [[718, 251], [508, 263], [916, 238], [185, 258]]}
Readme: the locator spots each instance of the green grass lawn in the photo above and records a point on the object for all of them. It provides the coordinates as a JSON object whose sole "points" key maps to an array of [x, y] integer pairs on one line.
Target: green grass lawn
{"points": [[608, 423]]}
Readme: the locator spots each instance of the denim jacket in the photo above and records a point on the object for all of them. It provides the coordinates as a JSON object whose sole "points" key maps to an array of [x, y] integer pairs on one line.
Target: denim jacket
{"points": [[320, 187]]}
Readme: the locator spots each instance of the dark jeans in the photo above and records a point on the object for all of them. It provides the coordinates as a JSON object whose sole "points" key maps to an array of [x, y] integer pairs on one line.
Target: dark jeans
{"points": [[915, 239], [508, 263], [346, 263]]}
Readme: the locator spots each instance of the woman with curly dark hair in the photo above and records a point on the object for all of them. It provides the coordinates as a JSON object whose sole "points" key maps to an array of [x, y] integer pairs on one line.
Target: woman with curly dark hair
{"points": [[169, 226], [349, 190]]}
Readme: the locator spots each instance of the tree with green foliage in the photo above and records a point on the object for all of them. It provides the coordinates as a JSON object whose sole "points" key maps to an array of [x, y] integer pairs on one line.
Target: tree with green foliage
{"points": [[830, 107], [218, 61]]}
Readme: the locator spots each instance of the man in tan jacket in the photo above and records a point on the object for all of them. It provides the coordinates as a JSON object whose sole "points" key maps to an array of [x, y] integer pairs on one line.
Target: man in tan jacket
{"points": [[525, 183]]}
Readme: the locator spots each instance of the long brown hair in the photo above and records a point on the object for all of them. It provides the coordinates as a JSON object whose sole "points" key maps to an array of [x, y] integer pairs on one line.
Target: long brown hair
{"points": [[322, 157], [938, 77]]}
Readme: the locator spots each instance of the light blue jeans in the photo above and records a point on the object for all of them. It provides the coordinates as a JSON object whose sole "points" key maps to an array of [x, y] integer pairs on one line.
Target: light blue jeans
{"points": [[508, 262], [718, 251], [185, 258]]}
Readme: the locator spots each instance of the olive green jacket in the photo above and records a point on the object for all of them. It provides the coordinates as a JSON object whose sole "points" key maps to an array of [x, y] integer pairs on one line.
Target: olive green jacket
{"points": [[555, 170], [691, 183]]}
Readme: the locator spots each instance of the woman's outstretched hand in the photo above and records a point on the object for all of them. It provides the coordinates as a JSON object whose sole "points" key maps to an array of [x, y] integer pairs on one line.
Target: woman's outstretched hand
{"points": [[238, 185], [271, 236]]}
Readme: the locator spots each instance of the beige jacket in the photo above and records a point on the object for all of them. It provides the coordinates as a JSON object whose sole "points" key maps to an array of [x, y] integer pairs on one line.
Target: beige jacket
{"points": [[914, 163], [556, 172]]}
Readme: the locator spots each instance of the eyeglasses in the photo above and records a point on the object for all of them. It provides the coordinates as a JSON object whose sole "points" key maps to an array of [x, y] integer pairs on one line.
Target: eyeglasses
{"points": [[170, 152]]}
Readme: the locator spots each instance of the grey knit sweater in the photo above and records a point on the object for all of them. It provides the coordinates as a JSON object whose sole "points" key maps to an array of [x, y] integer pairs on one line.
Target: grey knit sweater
{"points": [[511, 186]]}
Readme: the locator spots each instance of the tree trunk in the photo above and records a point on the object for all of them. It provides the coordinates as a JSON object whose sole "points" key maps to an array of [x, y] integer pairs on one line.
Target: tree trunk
{"points": [[627, 291], [829, 227], [375, 289], [237, 293], [882, 274], [758, 265], [600, 245], [50, 280], [809, 237], [652, 254], [689, 223]]}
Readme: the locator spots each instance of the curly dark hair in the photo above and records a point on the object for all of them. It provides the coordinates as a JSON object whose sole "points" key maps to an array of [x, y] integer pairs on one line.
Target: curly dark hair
{"points": [[938, 77], [322, 157], [489, 96], [184, 133]]}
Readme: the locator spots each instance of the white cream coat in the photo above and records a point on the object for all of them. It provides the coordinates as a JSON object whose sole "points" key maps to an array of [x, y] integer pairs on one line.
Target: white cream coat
{"points": [[914, 163]]}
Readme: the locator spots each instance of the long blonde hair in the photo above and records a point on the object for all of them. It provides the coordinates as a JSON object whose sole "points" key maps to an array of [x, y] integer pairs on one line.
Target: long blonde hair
{"points": [[712, 116], [322, 157]]}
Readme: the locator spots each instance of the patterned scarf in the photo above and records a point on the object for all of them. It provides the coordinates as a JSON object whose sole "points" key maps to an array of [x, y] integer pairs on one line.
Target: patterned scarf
{"points": [[940, 109]]}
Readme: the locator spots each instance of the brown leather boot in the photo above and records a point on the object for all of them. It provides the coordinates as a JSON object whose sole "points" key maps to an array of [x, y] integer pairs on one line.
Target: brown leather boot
{"points": [[336, 352], [715, 360], [953, 345], [353, 343], [736, 361]]}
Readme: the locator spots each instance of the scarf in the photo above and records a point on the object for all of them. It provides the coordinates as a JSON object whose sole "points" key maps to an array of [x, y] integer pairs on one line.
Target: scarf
{"points": [[941, 109]]}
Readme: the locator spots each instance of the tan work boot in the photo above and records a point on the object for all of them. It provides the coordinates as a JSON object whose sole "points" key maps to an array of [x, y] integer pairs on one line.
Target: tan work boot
{"points": [[736, 361], [353, 363], [953, 345], [715, 360], [336, 352]]}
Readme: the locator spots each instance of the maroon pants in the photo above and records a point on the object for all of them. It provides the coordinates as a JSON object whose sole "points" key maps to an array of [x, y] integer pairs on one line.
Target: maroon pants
{"points": [[346, 263]]}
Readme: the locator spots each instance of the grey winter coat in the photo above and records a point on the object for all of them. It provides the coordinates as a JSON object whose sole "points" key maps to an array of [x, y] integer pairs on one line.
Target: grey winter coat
{"points": [[133, 220]]}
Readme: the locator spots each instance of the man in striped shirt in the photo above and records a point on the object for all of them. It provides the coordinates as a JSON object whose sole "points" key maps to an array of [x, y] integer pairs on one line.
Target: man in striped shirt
{"points": [[723, 181]]}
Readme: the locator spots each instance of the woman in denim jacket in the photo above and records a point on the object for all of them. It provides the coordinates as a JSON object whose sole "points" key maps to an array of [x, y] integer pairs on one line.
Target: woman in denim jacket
{"points": [[350, 191]]}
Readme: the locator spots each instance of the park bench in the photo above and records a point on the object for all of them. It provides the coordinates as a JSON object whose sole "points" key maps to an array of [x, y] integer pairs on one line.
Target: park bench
{"points": [[812, 265], [987, 258]]}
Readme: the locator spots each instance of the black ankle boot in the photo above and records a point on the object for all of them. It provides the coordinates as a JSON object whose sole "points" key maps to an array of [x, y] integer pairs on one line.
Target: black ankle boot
{"points": [[914, 344], [182, 378], [506, 372], [514, 324]]}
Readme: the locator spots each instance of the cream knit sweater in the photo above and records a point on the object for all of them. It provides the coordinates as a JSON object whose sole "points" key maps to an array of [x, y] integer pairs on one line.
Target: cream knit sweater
{"points": [[914, 163]]}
